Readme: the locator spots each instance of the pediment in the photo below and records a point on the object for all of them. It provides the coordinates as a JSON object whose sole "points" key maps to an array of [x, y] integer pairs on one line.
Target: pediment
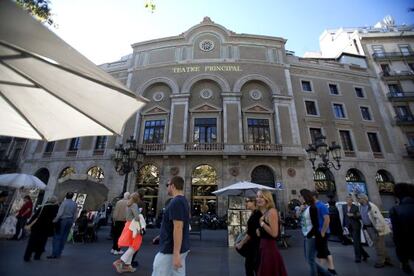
{"points": [[155, 110], [257, 108], [205, 108]]}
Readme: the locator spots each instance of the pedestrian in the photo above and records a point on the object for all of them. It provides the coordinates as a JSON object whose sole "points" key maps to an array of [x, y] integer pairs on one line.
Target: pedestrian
{"points": [[22, 216], [64, 220], [143, 210], [118, 222], [174, 233], [251, 241], [41, 228], [322, 250], [3, 199], [374, 223], [271, 262], [128, 238], [402, 219], [352, 221], [310, 230]]}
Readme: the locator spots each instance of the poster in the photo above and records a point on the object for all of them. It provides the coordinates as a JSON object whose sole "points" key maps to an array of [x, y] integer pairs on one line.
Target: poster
{"points": [[357, 188], [233, 217], [234, 232], [236, 202]]}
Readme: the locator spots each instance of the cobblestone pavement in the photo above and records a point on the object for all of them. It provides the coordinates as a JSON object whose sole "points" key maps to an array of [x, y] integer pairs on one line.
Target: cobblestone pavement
{"points": [[210, 256]]}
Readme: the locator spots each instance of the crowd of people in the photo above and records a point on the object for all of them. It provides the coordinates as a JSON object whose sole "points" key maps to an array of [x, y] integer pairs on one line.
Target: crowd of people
{"points": [[362, 220]]}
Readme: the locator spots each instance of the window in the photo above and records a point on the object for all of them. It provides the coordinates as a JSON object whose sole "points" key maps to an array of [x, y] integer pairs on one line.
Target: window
{"points": [[395, 89], [311, 108], [49, 147], [402, 111], [373, 142], [333, 89], [74, 144], [378, 50], [346, 140], [154, 132], [97, 173], [205, 130], [405, 50], [258, 131], [359, 92], [366, 115], [315, 133], [306, 86], [385, 69], [410, 138], [356, 46], [100, 142], [339, 111]]}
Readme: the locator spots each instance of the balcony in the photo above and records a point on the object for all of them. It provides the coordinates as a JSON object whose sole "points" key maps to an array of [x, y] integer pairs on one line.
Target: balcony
{"points": [[400, 96], [404, 120], [8, 165], [71, 153], [98, 152], [410, 151], [349, 153], [392, 56], [152, 147], [204, 147], [397, 75], [263, 147], [378, 155]]}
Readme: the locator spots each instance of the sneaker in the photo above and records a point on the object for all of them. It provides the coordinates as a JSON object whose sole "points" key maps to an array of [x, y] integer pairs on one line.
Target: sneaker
{"points": [[378, 265], [113, 251], [128, 268], [120, 252], [332, 271], [118, 266]]}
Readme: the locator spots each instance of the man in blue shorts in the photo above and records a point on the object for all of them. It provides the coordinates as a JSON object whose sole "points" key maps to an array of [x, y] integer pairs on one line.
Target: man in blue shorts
{"points": [[174, 233], [322, 249]]}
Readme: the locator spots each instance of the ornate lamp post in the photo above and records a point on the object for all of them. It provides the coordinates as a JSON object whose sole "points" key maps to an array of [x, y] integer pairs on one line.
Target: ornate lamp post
{"points": [[321, 149], [128, 159]]}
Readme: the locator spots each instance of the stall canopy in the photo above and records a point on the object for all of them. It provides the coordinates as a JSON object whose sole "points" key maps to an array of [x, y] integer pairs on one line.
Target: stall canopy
{"points": [[243, 188], [20, 180], [50, 91]]}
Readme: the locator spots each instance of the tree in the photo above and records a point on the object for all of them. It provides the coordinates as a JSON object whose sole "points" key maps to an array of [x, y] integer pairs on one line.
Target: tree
{"points": [[150, 5], [40, 9]]}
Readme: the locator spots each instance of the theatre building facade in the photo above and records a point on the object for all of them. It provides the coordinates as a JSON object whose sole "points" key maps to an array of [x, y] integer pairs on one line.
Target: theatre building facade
{"points": [[226, 107]]}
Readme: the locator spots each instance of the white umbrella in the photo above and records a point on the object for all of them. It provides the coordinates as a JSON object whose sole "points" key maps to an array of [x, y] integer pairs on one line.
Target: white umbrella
{"points": [[242, 188], [21, 180], [50, 91]]}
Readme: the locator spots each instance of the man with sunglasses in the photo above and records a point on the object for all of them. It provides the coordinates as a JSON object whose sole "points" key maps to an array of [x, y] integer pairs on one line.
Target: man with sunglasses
{"points": [[174, 232]]}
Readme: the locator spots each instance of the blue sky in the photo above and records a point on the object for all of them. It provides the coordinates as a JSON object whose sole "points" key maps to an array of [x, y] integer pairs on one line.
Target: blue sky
{"points": [[103, 30]]}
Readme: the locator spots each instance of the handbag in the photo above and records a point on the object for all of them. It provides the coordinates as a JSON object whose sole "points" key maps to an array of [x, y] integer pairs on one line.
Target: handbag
{"points": [[245, 248], [28, 227]]}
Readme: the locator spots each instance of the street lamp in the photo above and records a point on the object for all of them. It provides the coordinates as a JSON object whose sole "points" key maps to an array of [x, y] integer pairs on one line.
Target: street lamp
{"points": [[321, 149], [128, 159]]}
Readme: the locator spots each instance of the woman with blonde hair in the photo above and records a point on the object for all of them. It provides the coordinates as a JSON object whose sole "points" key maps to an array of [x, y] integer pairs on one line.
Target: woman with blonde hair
{"points": [[271, 262], [128, 238]]}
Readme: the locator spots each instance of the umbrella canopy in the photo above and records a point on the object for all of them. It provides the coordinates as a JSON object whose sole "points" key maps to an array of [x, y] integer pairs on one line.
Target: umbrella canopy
{"points": [[21, 180], [96, 192], [242, 188], [50, 91]]}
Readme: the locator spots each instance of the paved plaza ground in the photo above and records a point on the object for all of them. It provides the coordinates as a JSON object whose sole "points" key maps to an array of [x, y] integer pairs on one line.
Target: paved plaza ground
{"points": [[210, 256]]}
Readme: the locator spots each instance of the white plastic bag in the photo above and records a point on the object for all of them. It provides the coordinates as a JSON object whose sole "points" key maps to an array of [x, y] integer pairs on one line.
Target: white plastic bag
{"points": [[8, 228]]}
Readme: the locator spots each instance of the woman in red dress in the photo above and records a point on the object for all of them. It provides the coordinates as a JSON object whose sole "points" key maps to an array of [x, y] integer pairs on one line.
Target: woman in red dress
{"points": [[271, 262]]}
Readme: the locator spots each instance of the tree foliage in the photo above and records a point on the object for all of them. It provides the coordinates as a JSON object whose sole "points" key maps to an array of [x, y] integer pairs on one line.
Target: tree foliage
{"points": [[204, 175], [40, 9]]}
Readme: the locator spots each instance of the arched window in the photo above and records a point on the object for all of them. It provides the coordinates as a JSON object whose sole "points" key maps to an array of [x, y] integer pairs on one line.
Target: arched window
{"points": [[96, 172], [324, 181], [148, 180], [43, 174], [263, 175], [203, 183], [385, 182], [356, 182], [67, 171]]}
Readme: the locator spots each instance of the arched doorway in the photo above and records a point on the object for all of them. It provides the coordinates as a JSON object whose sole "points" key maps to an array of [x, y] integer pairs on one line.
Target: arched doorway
{"points": [[203, 183], [263, 175], [43, 174], [97, 173], [148, 180], [385, 183], [324, 184], [67, 171], [356, 182]]}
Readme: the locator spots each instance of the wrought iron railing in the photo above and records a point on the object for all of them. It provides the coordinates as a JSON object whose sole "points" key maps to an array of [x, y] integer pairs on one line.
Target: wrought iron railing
{"points": [[263, 147], [385, 55], [204, 146], [400, 95], [152, 147]]}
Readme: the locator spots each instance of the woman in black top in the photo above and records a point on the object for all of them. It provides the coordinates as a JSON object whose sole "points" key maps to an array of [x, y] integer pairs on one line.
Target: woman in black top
{"points": [[251, 241]]}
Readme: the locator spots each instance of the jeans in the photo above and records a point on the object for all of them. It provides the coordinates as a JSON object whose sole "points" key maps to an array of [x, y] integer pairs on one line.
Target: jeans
{"points": [[118, 226], [310, 254], [21, 222], [59, 239], [163, 265]]}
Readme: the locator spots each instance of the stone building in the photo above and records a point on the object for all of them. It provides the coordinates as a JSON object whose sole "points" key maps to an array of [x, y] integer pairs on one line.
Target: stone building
{"points": [[226, 107]]}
